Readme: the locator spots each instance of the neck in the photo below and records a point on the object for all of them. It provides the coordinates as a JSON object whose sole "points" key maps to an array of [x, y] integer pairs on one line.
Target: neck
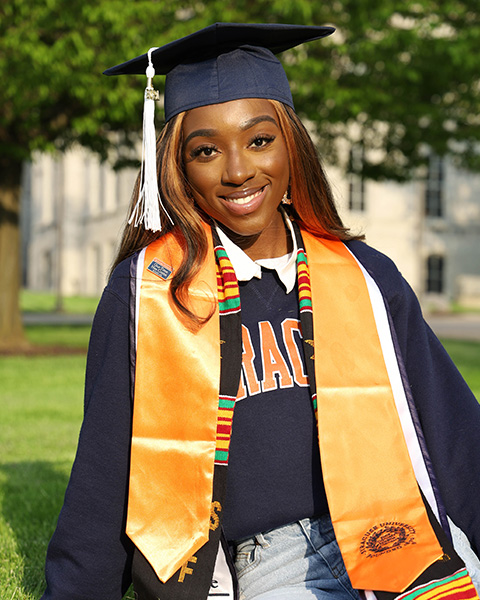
{"points": [[269, 243]]}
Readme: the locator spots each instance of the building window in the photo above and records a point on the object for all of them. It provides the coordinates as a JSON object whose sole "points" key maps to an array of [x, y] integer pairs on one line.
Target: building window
{"points": [[434, 188], [435, 274], [356, 183], [102, 192], [47, 282], [89, 196]]}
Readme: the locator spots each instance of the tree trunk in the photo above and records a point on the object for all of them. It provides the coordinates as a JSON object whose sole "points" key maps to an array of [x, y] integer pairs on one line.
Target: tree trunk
{"points": [[12, 336]]}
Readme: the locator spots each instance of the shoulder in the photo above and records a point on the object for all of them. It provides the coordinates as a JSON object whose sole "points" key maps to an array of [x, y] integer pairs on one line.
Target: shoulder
{"points": [[123, 277], [374, 261], [119, 282], [383, 270]]}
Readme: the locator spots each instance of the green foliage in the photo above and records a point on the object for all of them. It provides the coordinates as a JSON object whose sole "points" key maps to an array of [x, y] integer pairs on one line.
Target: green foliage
{"points": [[52, 56], [395, 78]]}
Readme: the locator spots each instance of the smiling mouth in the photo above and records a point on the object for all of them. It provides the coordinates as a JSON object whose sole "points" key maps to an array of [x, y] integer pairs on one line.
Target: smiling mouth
{"points": [[244, 199]]}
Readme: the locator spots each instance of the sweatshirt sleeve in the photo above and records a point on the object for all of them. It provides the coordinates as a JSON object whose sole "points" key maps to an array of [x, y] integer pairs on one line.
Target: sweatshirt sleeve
{"points": [[449, 413], [89, 555]]}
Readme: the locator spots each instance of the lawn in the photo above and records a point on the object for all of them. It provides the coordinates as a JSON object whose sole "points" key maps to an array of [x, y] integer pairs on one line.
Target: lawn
{"points": [[466, 355], [36, 302], [40, 414], [68, 336], [41, 403]]}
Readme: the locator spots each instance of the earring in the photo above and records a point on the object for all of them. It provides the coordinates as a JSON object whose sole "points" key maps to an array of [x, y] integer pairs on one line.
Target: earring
{"points": [[286, 197]]}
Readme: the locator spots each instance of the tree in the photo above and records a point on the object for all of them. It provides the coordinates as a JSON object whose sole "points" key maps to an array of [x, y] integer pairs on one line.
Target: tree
{"points": [[53, 95], [402, 83], [398, 81]]}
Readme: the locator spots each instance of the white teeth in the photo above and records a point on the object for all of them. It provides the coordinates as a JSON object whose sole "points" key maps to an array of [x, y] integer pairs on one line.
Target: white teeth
{"points": [[245, 200]]}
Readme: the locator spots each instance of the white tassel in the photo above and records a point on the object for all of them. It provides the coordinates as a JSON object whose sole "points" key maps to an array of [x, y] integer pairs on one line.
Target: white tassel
{"points": [[147, 208]]}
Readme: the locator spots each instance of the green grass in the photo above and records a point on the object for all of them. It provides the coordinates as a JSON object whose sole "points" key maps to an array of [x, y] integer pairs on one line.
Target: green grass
{"points": [[466, 355], [46, 302], [41, 400], [73, 336], [41, 403], [40, 414], [462, 309]]}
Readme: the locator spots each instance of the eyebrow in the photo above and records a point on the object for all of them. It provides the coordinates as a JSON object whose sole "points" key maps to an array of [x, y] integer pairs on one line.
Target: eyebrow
{"points": [[254, 120], [200, 133], [244, 126]]}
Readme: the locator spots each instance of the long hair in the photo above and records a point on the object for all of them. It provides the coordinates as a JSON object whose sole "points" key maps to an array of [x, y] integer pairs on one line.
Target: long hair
{"points": [[313, 204], [188, 227]]}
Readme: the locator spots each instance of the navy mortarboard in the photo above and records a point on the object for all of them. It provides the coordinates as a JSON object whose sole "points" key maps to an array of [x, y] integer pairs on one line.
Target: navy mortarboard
{"points": [[222, 62]]}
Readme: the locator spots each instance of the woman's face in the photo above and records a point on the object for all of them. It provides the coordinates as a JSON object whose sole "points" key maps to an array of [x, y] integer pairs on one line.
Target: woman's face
{"points": [[236, 163]]}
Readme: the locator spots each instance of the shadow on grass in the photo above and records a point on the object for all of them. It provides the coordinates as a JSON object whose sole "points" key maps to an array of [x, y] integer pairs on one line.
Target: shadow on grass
{"points": [[32, 497]]}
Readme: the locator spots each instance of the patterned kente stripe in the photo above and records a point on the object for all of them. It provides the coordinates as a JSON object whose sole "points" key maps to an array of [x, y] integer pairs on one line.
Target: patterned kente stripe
{"points": [[228, 292], [224, 429], [306, 315], [458, 586], [228, 304], [304, 289]]}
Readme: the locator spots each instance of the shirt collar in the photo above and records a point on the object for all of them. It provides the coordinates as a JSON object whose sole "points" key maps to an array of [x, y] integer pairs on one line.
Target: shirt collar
{"points": [[246, 269]]}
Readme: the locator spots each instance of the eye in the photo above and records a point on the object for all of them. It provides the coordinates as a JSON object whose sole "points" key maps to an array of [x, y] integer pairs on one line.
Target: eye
{"points": [[260, 141], [203, 152]]}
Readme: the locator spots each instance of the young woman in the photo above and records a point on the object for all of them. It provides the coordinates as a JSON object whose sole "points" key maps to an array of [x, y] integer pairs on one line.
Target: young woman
{"points": [[255, 336]]}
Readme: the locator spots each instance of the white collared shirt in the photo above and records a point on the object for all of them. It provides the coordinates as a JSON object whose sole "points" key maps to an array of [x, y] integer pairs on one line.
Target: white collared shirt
{"points": [[246, 269]]}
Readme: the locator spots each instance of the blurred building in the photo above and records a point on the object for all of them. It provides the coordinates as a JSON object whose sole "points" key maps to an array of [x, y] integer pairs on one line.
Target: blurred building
{"points": [[74, 209], [430, 228]]}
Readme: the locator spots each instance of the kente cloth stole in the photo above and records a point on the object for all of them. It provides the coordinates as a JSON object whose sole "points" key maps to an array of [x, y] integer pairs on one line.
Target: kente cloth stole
{"points": [[180, 508], [182, 421]]}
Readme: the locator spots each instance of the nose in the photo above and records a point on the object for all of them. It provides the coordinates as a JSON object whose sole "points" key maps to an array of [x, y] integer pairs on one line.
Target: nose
{"points": [[238, 168]]}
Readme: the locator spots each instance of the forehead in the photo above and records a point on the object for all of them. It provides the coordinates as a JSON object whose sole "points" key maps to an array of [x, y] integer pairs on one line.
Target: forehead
{"points": [[228, 115]]}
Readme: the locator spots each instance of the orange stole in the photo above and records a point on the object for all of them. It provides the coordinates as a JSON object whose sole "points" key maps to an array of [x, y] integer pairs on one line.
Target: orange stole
{"points": [[175, 414], [369, 479], [378, 515]]}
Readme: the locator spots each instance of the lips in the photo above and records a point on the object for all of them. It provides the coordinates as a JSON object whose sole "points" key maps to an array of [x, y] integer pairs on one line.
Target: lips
{"points": [[244, 196], [244, 201]]}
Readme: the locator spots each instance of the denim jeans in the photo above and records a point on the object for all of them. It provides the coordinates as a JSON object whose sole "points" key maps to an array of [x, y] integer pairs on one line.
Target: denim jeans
{"points": [[299, 561]]}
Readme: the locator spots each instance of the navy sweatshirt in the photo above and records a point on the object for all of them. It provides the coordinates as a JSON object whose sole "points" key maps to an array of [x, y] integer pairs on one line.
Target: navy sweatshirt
{"points": [[274, 474]]}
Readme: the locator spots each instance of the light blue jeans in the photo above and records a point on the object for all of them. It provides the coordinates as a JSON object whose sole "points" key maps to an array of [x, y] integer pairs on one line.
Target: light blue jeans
{"points": [[300, 561]]}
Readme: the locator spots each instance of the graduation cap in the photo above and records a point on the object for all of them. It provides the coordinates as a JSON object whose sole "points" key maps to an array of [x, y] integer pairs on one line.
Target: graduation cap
{"points": [[220, 63]]}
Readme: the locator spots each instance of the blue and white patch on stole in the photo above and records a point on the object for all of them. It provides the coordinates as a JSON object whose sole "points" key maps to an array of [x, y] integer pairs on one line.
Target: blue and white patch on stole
{"points": [[159, 268]]}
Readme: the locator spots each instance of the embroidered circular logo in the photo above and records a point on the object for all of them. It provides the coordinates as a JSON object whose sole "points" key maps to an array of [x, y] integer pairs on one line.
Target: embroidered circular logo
{"points": [[386, 537]]}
